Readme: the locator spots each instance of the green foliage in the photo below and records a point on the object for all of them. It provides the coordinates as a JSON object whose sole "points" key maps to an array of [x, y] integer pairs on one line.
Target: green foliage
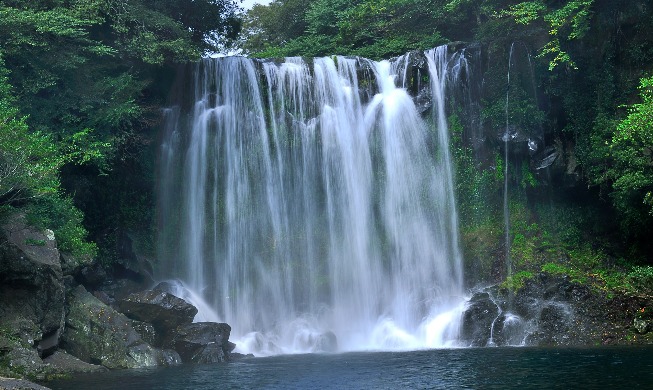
{"points": [[28, 161], [641, 278], [516, 281], [567, 20], [631, 152], [525, 243], [526, 12], [86, 76], [477, 194], [61, 216], [574, 274], [527, 178], [373, 29], [476, 183], [31, 241], [170, 30]]}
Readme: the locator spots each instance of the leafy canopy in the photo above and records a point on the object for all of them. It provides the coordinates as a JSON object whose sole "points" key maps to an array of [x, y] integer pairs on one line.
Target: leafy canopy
{"points": [[374, 29], [78, 88], [631, 150], [565, 22]]}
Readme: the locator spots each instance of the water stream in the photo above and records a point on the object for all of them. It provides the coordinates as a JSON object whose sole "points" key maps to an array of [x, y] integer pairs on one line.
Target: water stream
{"points": [[308, 204], [507, 136]]}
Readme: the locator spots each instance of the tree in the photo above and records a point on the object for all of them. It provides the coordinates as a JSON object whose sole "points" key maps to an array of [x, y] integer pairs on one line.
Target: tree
{"points": [[374, 29], [28, 161], [631, 151], [565, 21], [86, 78]]}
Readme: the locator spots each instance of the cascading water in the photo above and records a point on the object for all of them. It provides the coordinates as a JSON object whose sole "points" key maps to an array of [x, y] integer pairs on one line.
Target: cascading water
{"points": [[310, 202], [507, 136]]}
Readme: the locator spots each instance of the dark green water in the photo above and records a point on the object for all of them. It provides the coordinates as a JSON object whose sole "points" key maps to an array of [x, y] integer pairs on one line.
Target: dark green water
{"points": [[470, 368]]}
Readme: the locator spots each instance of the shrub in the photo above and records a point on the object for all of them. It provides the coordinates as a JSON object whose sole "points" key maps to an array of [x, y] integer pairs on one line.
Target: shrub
{"points": [[59, 214]]}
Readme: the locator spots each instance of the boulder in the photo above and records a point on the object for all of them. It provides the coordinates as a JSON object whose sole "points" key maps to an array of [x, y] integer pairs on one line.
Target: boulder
{"points": [[31, 284], [642, 326], [21, 360], [19, 384], [480, 312], [97, 334], [202, 342], [62, 362], [163, 310], [210, 353], [326, 342]]}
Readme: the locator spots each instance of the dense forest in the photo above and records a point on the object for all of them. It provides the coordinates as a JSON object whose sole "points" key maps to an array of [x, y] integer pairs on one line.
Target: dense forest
{"points": [[82, 84]]}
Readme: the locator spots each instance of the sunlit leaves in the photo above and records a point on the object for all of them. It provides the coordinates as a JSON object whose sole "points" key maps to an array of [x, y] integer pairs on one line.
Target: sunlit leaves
{"points": [[631, 151], [565, 22], [374, 29], [526, 12]]}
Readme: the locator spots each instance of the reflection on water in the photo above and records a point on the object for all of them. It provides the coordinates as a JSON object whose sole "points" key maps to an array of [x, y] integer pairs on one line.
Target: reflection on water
{"points": [[487, 368]]}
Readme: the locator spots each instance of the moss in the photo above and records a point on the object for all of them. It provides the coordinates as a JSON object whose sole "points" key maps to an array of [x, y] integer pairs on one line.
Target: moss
{"points": [[641, 278], [516, 281]]}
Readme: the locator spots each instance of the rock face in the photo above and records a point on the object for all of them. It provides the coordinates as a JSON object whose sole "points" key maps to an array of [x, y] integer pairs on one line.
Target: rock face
{"points": [[163, 310], [31, 282], [49, 324], [32, 296], [63, 362], [477, 320], [540, 313], [202, 342], [97, 334], [19, 384], [551, 310]]}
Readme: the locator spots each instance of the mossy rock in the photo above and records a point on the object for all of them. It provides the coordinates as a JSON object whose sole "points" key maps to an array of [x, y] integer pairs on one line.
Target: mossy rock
{"points": [[97, 334]]}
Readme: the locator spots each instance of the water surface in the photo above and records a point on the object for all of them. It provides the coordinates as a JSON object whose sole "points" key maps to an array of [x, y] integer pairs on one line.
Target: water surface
{"points": [[469, 368]]}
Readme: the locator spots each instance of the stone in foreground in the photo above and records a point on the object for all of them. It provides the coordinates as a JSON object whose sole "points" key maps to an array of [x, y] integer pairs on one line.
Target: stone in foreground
{"points": [[163, 310], [202, 342]]}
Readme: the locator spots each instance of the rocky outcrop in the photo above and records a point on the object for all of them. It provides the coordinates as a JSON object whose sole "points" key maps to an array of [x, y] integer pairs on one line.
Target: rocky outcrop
{"points": [[98, 334], [32, 295], [163, 310], [31, 284], [51, 325], [19, 384], [202, 342], [62, 362], [480, 313], [551, 310]]}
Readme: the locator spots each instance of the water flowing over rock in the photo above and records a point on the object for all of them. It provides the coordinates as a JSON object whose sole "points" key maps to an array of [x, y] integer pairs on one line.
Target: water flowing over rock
{"points": [[480, 313], [310, 196], [549, 310]]}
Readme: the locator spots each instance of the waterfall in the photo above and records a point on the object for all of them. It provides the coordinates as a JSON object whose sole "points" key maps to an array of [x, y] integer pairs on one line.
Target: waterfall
{"points": [[309, 204], [507, 136]]}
